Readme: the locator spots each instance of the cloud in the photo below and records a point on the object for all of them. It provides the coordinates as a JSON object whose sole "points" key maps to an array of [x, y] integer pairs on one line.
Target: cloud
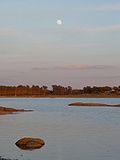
{"points": [[69, 67], [7, 32], [84, 67], [76, 67], [39, 68]]}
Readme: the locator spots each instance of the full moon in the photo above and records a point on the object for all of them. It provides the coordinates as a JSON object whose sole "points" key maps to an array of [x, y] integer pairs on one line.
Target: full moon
{"points": [[59, 22]]}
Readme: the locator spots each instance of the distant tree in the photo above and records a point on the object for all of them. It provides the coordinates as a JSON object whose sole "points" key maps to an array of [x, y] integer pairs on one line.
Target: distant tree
{"points": [[69, 90], [87, 90], [44, 89]]}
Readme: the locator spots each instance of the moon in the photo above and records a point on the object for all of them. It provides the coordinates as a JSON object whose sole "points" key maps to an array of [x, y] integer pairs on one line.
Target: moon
{"points": [[59, 22]]}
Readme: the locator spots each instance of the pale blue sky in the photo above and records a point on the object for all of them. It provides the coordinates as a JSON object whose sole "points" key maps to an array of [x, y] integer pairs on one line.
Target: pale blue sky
{"points": [[85, 50]]}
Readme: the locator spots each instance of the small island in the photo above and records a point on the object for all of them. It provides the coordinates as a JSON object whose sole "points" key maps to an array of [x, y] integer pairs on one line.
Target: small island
{"points": [[93, 104]]}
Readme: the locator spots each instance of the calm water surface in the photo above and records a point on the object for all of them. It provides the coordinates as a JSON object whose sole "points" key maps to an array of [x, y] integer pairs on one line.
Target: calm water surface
{"points": [[70, 133]]}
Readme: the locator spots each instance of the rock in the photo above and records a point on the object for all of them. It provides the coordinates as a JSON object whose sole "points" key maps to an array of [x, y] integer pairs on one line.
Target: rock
{"points": [[93, 104], [1, 158], [30, 143], [4, 110]]}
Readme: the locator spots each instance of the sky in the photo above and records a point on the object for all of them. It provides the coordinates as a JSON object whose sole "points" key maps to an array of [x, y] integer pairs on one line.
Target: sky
{"points": [[84, 50]]}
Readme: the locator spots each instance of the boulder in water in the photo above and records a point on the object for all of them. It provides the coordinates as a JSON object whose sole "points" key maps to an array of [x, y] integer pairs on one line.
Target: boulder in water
{"points": [[30, 143]]}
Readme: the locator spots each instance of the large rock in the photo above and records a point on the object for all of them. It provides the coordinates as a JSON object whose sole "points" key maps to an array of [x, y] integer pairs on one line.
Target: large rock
{"points": [[4, 110], [93, 104], [30, 143]]}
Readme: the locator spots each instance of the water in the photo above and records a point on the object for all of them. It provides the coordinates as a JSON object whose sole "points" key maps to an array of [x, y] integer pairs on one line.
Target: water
{"points": [[70, 133]]}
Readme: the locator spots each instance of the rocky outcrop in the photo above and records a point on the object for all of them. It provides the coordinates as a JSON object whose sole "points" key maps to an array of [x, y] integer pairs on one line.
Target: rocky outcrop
{"points": [[30, 143], [4, 110], [93, 104]]}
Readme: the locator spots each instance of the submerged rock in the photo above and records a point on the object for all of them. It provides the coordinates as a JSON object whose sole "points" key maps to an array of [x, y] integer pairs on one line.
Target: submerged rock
{"points": [[30, 143]]}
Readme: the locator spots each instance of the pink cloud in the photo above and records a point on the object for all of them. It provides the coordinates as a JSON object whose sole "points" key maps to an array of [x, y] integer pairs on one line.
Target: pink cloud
{"points": [[83, 66]]}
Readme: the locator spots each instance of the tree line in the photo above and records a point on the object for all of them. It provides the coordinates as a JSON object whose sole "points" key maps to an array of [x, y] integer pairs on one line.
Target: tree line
{"points": [[36, 90]]}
